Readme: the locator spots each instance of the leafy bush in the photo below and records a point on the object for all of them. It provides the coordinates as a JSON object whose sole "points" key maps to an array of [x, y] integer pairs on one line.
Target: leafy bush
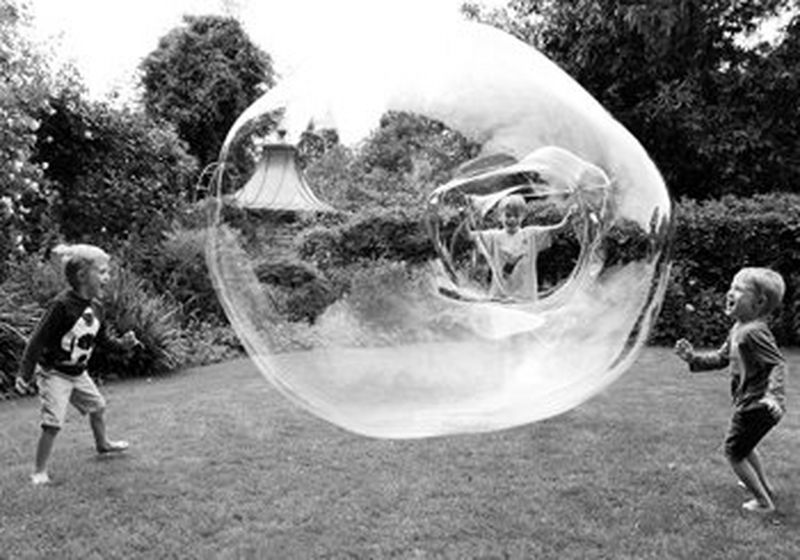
{"points": [[700, 318], [30, 285], [390, 234], [177, 267], [209, 342], [12, 344], [21, 306], [15, 321], [116, 172], [713, 240], [35, 279], [300, 290], [321, 245], [380, 292], [154, 319], [25, 79], [286, 273], [384, 302]]}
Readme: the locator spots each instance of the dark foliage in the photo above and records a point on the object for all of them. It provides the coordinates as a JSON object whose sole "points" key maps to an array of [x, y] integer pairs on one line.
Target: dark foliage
{"points": [[201, 77], [176, 267], [716, 113], [115, 173], [713, 240]]}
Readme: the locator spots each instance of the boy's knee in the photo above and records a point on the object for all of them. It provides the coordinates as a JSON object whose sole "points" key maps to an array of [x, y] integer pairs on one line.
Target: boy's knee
{"points": [[97, 412], [49, 429]]}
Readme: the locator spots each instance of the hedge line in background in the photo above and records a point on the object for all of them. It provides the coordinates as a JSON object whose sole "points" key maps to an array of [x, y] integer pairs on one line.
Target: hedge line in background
{"points": [[712, 240]]}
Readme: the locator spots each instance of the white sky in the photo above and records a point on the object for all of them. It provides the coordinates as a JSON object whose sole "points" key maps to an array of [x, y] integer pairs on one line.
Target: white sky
{"points": [[106, 39]]}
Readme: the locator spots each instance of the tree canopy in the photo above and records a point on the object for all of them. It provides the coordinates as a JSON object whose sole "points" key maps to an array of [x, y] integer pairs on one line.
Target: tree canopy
{"points": [[399, 164], [678, 74], [201, 77]]}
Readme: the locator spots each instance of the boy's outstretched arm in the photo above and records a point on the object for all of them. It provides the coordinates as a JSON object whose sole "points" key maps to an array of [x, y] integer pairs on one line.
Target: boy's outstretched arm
{"points": [[702, 361]]}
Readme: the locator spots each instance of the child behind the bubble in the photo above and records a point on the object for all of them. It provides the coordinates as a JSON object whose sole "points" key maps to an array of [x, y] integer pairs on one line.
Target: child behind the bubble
{"points": [[512, 250]]}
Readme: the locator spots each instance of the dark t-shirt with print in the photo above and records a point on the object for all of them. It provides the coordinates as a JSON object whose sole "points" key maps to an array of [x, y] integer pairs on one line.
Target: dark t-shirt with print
{"points": [[66, 336]]}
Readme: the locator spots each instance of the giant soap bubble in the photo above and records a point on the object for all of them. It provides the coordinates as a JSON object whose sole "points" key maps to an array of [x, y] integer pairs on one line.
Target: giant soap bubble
{"points": [[453, 341]]}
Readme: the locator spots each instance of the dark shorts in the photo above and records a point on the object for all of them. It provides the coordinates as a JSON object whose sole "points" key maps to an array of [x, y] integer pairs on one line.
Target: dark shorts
{"points": [[748, 427]]}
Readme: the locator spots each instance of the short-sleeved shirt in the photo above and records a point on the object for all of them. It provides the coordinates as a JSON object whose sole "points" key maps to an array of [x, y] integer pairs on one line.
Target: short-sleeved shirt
{"points": [[512, 258], [756, 366], [66, 336]]}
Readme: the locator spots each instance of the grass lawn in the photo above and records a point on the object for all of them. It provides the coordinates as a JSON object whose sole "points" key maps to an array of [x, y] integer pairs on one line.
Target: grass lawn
{"points": [[222, 466]]}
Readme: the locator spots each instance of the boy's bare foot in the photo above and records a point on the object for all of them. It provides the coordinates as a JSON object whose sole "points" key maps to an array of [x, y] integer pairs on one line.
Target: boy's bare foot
{"points": [[40, 478], [113, 447], [757, 507]]}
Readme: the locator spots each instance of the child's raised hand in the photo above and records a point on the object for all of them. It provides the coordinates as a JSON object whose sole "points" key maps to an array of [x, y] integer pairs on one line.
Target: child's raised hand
{"points": [[684, 349]]}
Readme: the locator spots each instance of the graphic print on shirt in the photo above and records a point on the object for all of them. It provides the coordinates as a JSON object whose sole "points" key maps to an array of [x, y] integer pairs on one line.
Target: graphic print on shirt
{"points": [[511, 252], [78, 342]]}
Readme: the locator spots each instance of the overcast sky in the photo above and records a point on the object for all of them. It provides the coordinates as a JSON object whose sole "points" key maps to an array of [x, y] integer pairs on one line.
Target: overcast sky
{"points": [[106, 39]]}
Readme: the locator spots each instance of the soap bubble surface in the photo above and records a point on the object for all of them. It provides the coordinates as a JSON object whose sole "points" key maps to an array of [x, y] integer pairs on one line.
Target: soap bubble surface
{"points": [[424, 349]]}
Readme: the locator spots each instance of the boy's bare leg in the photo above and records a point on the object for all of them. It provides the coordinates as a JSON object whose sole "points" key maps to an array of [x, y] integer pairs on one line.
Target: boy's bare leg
{"points": [[755, 461], [101, 441], [44, 448], [98, 424], [747, 474]]}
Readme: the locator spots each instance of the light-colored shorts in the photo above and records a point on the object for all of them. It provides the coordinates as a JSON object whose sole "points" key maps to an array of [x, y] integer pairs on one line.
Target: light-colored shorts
{"points": [[57, 390]]}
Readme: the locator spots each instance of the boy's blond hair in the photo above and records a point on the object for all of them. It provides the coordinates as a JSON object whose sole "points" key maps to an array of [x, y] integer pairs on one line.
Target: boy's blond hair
{"points": [[767, 283], [513, 202], [77, 258]]}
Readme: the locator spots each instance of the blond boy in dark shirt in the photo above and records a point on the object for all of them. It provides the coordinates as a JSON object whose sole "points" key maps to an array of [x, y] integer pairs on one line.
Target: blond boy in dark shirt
{"points": [[62, 345]]}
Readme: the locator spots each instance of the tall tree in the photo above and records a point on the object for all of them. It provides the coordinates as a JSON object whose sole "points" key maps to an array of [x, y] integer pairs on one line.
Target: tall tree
{"points": [[201, 76], [676, 73]]}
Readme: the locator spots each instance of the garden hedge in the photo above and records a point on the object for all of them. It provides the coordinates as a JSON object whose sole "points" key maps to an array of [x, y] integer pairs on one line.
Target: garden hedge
{"points": [[712, 240]]}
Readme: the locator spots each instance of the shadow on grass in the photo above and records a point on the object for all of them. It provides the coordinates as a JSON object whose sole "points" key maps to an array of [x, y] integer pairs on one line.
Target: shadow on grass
{"points": [[111, 457]]}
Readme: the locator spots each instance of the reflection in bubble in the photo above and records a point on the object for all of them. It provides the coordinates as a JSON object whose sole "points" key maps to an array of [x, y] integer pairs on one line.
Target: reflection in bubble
{"points": [[502, 323]]}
